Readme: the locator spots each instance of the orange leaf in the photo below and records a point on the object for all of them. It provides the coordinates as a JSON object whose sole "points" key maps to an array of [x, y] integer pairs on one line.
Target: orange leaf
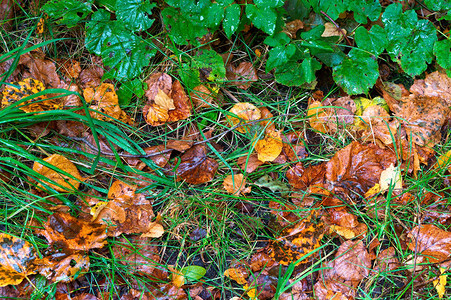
{"points": [[270, 147], [244, 112], [236, 184]]}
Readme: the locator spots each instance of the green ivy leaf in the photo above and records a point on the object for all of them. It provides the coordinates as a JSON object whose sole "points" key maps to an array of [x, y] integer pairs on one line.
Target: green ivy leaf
{"points": [[134, 14], [410, 41], [364, 9], [373, 41], [125, 54], [128, 89], [269, 3], [263, 18], [231, 19], [98, 30], [313, 40], [71, 12], [279, 56], [357, 73], [181, 29], [294, 73], [193, 273], [442, 50]]}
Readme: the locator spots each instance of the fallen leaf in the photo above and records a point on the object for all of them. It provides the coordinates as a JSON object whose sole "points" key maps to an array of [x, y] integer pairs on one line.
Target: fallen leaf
{"points": [[297, 241], [41, 69], [291, 28], [92, 76], [163, 101], [261, 285], [444, 161], [331, 30], [239, 275], [241, 76], [74, 234], [431, 242], [196, 167], [269, 148], [236, 185], [307, 178], [249, 163], [160, 160], [139, 255], [435, 84], [440, 283], [273, 184], [16, 260], [203, 95], [351, 264], [181, 102], [390, 179], [63, 267], [70, 68], [28, 87], [317, 116], [177, 278], [293, 146], [54, 178], [376, 124], [242, 112], [7, 9], [387, 261]]}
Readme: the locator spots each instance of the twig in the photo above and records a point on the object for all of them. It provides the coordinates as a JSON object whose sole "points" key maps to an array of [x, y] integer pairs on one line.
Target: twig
{"points": [[338, 27]]}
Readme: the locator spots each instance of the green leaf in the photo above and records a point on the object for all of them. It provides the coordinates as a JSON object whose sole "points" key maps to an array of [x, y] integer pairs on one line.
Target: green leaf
{"points": [[437, 5], [269, 3], [134, 14], [333, 8], [410, 41], [272, 184], [189, 76], [108, 4], [125, 54], [98, 30], [294, 73], [193, 273], [364, 9], [297, 9], [231, 19], [357, 73], [128, 89], [278, 39], [71, 12], [211, 63], [264, 18], [373, 41], [442, 50], [279, 56]]}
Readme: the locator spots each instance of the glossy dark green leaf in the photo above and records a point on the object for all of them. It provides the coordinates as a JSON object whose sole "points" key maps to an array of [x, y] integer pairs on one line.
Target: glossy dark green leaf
{"points": [[70, 12], [279, 56], [442, 50], [373, 41], [135, 14], [128, 89], [269, 3], [296, 73], [357, 73], [231, 19], [98, 30], [263, 18], [364, 9]]}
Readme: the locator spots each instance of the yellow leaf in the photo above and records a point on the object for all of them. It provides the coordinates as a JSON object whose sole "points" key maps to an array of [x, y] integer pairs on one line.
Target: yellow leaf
{"points": [[440, 283], [270, 147], [164, 101], [444, 161], [236, 274], [244, 112], [317, 116], [390, 177]]}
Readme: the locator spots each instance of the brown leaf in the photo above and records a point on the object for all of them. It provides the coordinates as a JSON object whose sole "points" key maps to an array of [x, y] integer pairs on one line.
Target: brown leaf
{"points": [[261, 285], [104, 101], [297, 241], [139, 256], [74, 234], [70, 68], [236, 184], [203, 96], [158, 81], [269, 148], [72, 100], [41, 69], [435, 84], [291, 28], [241, 76], [182, 103], [351, 264], [378, 125], [28, 87], [160, 160], [196, 167], [55, 179], [16, 258], [431, 242], [307, 178], [92, 76], [249, 163], [357, 167], [7, 9], [387, 261], [238, 275], [63, 267], [293, 146], [242, 112]]}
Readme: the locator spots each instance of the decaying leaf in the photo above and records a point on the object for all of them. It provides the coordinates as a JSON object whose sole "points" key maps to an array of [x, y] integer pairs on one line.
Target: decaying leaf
{"points": [[269, 148], [351, 264], [444, 161], [390, 179], [16, 258], [440, 283], [317, 116], [431, 242], [57, 180], [128, 211], [238, 274], [293, 146], [236, 184], [167, 101], [203, 95], [28, 87], [241, 76], [63, 267], [249, 163], [377, 125], [104, 102], [387, 261], [332, 30], [40, 68], [435, 84], [74, 234], [196, 167], [297, 241], [242, 112], [311, 179], [291, 28]]}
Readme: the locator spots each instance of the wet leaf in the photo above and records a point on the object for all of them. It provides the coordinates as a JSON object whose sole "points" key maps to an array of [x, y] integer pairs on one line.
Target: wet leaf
{"points": [[307, 178], [203, 95], [444, 161], [249, 163], [193, 273], [104, 102], [440, 283], [64, 267], [293, 146], [196, 167], [242, 112], [317, 116], [241, 76], [297, 241], [236, 185], [435, 84], [390, 179], [41, 69], [431, 242], [387, 261], [351, 264], [237, 274], [272, 184], [16, 258], [28, 87], [72, 233], [54, 178], [269, 148]]}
